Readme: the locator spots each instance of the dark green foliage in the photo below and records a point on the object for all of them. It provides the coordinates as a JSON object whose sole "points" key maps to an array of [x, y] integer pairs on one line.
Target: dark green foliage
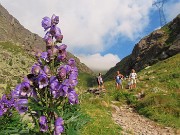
{"points": [[12, 124], [74, 118], [124, 96]]}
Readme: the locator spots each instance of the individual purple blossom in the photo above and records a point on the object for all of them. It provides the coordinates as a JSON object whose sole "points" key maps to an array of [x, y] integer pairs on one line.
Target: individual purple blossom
{"points": [[62, 47], [47, 36], [55, 31], [63, 71], [59, 128], [72, 97], [21, 105], [49, 40], [46, 23], [35, 69], [59, 38], [44, 56], [74, 71], [16, 91], [55, 87], [62, 52], [11, 100], [43, 124], [50, 54], [73, 80], [25, 88], [64, 91], [4, 104], [47, 71], [71, 62], [54, 19], [42, 80]]}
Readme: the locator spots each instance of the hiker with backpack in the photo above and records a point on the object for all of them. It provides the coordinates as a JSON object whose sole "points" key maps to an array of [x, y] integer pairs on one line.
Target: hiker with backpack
{"points": [[100, 81]]}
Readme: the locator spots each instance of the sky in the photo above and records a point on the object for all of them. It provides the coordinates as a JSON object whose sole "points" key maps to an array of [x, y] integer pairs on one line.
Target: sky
{"points": [[99, 32]]}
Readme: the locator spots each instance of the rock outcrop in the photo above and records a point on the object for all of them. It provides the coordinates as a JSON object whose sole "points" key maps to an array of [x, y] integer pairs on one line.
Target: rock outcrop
{"points": [[159, 45]]}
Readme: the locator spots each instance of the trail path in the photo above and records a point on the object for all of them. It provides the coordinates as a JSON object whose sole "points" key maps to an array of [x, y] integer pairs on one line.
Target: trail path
{"points": [[135, 124]]}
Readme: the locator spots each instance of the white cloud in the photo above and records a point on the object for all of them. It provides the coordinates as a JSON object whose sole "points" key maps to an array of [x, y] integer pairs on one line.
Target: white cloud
{"points": [[91, 24], [98, 62]]}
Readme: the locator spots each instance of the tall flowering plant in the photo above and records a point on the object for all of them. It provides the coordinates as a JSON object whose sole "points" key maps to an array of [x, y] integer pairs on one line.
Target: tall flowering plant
{"points": [[49, 87]]}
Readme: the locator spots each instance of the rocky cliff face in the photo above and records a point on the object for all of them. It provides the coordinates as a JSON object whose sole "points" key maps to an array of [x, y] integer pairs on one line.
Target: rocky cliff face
{"points": [[11, 30], [159, 45]]}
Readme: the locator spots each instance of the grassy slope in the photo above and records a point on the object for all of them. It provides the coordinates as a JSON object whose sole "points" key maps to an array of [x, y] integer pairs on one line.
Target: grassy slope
{"points": [[161, 85], [14, 64], [96, 107]]}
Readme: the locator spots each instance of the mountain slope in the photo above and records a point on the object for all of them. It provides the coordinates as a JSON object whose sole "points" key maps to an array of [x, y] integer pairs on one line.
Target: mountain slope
{"points": [[159, 45], [11, 30]]}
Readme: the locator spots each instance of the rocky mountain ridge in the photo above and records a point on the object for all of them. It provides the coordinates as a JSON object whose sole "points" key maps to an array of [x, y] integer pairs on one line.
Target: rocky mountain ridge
{"points": [[11, 30], [159, 45]]}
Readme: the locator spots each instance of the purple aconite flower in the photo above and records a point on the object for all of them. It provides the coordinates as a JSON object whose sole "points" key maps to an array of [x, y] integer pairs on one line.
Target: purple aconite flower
{"points": [[35, 69], [54, 87], [54, 19], [62, 72], [46, 23], [62, 47], [50, 53], [59, 38], [62, 52], [64, 91], [55, 31], [42, 80], [16, 91], [49, 42], [43, 124], [44, 56], [73, 80], [47, 71], [73, 97], [71, 62], [21, 105], [25, 88], [59, 128], [4, 104]]}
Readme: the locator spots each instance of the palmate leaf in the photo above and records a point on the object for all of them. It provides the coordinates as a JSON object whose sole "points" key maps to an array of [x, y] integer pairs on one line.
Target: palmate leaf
{"points": [[72, 119]]}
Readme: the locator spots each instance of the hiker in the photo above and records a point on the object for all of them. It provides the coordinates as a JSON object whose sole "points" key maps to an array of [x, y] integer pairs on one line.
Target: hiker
{"points": [[133, 77], [119, 78], [100, 81]]}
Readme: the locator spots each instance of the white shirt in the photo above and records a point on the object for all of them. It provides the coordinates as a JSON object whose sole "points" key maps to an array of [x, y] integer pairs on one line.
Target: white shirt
{"points": [[133, 75]]}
